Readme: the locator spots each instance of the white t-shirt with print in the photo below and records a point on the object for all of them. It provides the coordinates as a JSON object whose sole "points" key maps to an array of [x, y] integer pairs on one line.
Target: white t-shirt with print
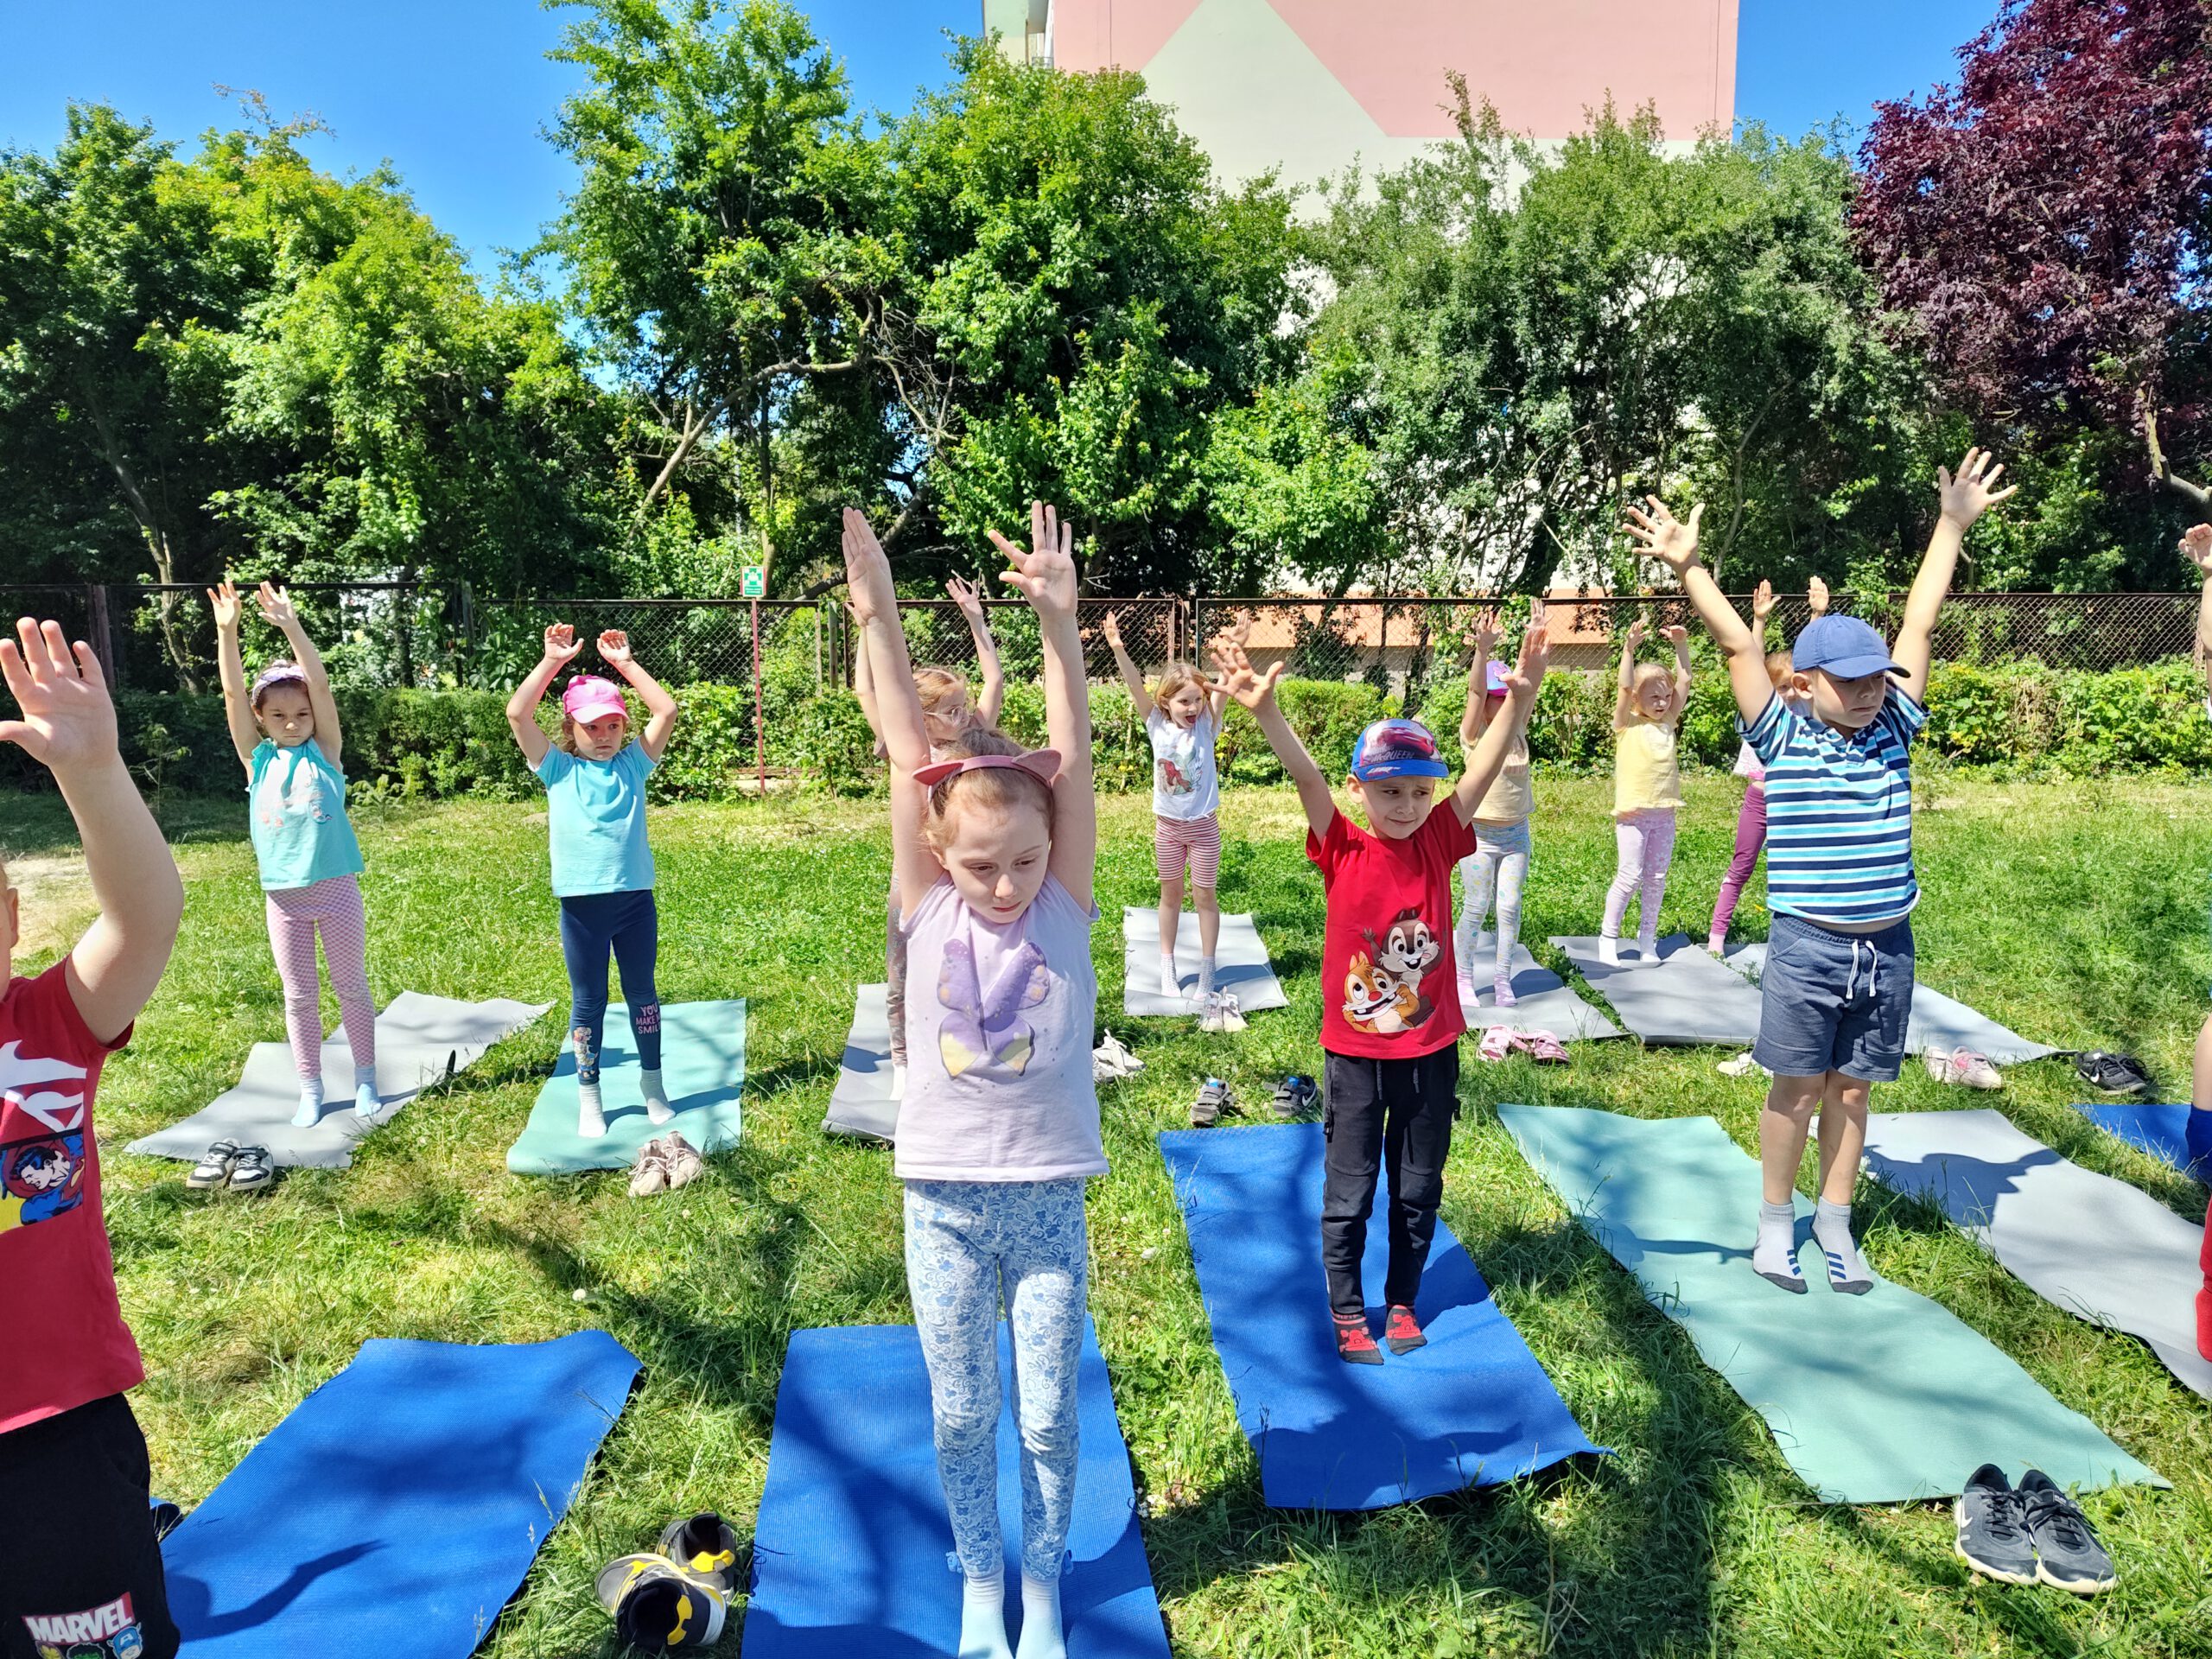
{"points": [[1184, 784]]}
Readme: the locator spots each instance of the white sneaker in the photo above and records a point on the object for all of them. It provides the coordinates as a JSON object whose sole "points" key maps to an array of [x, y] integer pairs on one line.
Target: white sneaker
{"points": [[1966, 1068], [1742, 1066], [1609, 951]]}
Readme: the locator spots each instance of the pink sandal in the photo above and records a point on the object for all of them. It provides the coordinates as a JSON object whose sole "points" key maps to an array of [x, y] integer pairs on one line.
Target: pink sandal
{"points": [[1541, 1047], [1497, 1043]]}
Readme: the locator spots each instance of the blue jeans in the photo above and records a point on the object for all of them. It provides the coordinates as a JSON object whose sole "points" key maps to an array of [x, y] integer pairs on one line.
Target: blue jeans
{"points": [[1832, 1001], [628, 925]]}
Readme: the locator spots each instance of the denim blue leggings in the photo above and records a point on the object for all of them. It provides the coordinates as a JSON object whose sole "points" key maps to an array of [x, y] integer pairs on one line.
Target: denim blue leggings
{"points": [[628, 924]]}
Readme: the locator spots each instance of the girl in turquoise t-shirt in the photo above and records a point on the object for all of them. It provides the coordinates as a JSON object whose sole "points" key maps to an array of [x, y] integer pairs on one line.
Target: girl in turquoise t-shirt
{"points": [[285, 730]]}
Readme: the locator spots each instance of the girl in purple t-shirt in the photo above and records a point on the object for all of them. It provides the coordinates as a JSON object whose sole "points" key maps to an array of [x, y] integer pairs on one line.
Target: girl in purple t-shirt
{"points": [[992, 853]]}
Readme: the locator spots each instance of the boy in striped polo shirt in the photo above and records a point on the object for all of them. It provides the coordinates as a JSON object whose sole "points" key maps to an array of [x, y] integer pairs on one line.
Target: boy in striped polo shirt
{"points": [[1836, 993]]}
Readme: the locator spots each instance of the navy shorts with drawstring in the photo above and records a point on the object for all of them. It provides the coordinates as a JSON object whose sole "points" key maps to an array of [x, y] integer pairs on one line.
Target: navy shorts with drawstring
{"points": [[1831, 1001]]}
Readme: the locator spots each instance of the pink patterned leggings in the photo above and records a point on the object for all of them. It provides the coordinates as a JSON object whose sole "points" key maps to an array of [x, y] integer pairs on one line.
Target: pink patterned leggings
{"points": [[1644, 842], [294, 915]]}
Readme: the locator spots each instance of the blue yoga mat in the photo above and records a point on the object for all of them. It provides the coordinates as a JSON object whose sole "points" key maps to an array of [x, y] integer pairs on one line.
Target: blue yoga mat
{"points": [[851, 1552], [1473, 1408], [397, 1509], [702, 1065], [2162, 1131]]}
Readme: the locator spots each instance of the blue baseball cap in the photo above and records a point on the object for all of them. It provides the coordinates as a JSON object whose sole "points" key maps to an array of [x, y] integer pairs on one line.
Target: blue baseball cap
{"points": [[1396, 748], [1843, 646]]}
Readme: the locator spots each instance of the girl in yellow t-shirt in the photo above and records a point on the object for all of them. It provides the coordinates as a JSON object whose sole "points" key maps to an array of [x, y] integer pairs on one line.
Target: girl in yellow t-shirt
{"points": [[1647, 789]]}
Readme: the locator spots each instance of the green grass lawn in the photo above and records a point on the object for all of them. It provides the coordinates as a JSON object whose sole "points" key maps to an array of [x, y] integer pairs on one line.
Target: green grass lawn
{"points": [[2075, 912]]}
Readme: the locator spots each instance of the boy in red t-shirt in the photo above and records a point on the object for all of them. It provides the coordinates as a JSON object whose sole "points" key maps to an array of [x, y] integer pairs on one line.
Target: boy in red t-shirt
{"points": [[1390, 1020], [81, 1568]]}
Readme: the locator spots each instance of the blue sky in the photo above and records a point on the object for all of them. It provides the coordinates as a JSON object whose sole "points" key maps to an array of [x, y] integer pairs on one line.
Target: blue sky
{"points": [[456, 94]]}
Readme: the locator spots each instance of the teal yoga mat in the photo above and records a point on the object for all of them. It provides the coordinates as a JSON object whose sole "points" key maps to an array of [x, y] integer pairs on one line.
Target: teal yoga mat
{"points": [[1884, 1398], [703, 1064]]}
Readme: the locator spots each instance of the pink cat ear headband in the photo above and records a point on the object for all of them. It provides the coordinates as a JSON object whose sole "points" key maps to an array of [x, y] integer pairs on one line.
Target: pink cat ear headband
{"points": [[1042, 764]]}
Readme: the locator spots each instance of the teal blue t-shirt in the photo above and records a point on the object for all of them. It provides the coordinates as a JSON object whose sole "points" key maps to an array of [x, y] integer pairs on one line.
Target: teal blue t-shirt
{"points": [[597, 810], [297, 801]]}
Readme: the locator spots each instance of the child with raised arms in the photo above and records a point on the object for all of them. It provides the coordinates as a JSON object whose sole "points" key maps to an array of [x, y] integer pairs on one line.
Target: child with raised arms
{"points": [[1391, 1015], [1750, 817], [993, 850], [603, 873], [285, 730], [1647, 789], [946, 713], [77, 1548], [1835, 996], [1182, 718], [1497, 870]]}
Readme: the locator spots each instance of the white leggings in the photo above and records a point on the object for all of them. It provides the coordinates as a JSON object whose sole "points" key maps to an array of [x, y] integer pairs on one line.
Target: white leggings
{"points": [[1645, 842], [1499, 867]]}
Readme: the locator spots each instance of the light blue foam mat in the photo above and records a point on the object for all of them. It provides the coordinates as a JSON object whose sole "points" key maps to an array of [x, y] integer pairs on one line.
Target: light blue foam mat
{"points": [[1473, 1408], [702, 1065], [2160, 1130], [849, 1554], [397, 1509]]}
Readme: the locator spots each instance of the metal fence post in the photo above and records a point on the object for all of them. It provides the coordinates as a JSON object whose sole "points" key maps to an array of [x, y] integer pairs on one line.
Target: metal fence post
{"points": [[760, 728]]}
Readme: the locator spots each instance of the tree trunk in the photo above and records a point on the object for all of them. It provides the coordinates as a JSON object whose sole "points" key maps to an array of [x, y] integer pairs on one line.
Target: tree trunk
{"points": [[2160, 472], [157, 539]]}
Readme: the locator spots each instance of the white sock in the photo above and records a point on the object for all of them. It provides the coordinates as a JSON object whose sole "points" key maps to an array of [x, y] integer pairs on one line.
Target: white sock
{"points": [[1170, 984], [1647, 940], [1042, 1636], [591, 1123], [1609, 949], [1848, 1269], [1205, 975], [366, 1101], [982, 1619], [1774, 1256], [657, 1107], [310, 1103]]}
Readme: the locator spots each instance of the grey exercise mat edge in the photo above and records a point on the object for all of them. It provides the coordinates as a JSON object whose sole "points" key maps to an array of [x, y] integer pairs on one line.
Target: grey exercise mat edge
{"points": [[861, 1103]]}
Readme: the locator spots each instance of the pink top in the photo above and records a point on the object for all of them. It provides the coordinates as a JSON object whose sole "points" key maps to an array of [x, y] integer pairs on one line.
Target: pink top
{"points": [[998, 1018]]}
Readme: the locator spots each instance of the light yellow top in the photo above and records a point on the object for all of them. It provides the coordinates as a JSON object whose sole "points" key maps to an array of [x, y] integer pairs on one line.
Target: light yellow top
{"points": [[1645, 774], [1508, 798]]}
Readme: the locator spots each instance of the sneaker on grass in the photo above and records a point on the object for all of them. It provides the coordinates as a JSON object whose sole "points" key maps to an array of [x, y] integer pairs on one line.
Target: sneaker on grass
{"points": [[2068, 1554], [1355, 1342], [1992, 1522]]}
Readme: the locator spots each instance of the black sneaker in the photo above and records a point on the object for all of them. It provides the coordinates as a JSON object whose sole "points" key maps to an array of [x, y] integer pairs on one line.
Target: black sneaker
{"points": [[1211, 1102], [2068, 1554], [1294, 1095], [658, 1606], [704, 1546], [1992, 1524], [2112, 1074]]}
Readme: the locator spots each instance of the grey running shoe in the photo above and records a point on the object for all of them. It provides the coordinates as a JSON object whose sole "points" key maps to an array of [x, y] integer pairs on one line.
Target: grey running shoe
{"points": [[2068, 1554], [1992, 1523]]}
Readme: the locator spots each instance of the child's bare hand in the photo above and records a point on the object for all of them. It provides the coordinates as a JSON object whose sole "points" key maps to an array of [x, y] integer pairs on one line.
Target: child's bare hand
{"points": [[223, 599], [68, 720], [2196, 547], [1045, 576], [1635, 635], [614, 648], [1240, 627], [276, 606], [1239, 679], [1817, 592], [1670, 540], [562, 643], [1762, 601], [868, 571], [1675, 634], [1522, 679], [1485, 632], [1112, 628], [1973, 491], [963, 592]]}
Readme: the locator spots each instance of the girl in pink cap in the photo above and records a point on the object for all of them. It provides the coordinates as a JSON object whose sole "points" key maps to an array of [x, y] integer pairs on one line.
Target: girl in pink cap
{"points": [[594, 783], [993, 849], [285, 730]]}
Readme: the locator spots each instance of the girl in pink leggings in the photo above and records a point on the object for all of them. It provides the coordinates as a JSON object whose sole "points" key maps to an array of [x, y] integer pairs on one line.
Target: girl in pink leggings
{"points": [[1750, 821], [285, 731], [1647, 789]]}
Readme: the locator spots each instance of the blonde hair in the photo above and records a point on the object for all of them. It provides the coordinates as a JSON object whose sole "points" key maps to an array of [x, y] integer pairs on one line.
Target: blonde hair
{"points": [[938, 688], [1647, 672], [1172, 681], [1778, 666], [997, 789]]}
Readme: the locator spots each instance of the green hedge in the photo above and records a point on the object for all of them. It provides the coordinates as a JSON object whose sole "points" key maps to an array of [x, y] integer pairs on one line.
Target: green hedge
{"points": [[432, 744]]}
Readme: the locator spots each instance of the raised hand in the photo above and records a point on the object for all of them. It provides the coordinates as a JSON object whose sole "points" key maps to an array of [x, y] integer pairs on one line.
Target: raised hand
{"points": [[1762, 603], [1485, 632], [1817, 592], [2196, 547], [1635, 636], [1240, 627], [276, 606], [562, 643], [68, 719], [1112, 628], [963, 592], [1045, 576], [1973, 490], [223, 599], [614, 648], [1670, 540], [868, 571], [1239, 679], [1526, 675], [1675, 634]]}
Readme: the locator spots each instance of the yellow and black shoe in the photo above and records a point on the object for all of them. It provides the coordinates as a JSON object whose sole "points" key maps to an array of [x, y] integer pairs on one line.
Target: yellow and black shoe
{"points": [[660, 1607], [704, 1546]]}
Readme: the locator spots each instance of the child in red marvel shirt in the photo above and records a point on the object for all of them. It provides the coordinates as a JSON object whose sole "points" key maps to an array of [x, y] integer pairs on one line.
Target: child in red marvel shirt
{"points": [[80, 1569], [1390, 1020]]}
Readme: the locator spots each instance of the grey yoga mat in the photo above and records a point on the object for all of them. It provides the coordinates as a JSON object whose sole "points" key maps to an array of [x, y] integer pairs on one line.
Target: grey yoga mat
{"points": [[1939, 1022], [1885, 1398], [419, 1041], [2083, 1242], [1546, 1002], [1239, 965], [861, 1103], [1684, 998]]}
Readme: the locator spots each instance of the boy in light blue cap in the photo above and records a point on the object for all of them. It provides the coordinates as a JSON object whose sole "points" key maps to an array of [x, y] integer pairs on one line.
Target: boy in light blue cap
{"points": [[1836, 993]]}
